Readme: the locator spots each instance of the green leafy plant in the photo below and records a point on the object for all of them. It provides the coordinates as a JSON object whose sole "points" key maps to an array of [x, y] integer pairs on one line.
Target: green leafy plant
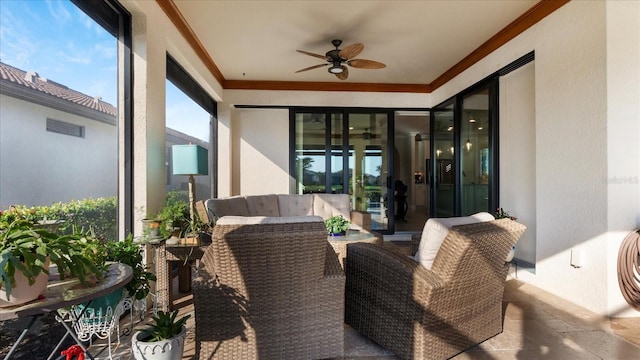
{"points": [[99, 215], [337, 224], [174, 213], [129, 253], [25, 248], [165, 326], [502, 214]]}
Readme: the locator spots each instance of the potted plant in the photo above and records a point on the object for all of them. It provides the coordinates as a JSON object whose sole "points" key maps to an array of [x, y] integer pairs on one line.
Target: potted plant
{"points": [[177, 225], [174, 215], [502, 214], [25, 255], [151, 227], [128, 252], [337, 225], [103, 309], [162, 340]]}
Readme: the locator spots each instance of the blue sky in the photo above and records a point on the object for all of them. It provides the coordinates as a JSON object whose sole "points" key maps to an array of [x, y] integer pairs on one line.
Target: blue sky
{"points": [[61, 43]]}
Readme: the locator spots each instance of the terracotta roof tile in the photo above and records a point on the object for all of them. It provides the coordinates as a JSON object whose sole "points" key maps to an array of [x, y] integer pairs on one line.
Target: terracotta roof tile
{"points": [[17, 76]]}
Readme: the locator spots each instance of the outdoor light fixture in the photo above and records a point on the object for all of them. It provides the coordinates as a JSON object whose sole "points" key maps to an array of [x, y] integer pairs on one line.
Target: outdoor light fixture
{"points": [[190, 160], [336, 69]]}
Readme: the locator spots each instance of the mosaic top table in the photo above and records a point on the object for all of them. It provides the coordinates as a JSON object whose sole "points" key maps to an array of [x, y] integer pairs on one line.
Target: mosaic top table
{"points": [[65, 293]]}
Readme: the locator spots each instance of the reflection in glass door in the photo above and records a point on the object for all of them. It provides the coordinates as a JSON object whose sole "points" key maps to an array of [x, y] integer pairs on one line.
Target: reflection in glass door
{"points": [[310, 153], [343, 152], [475, 152], [369, 166], [443, 191]]}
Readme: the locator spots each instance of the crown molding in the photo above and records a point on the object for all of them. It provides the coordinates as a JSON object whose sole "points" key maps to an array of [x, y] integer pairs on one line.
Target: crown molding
{"points": [[171, 10], [324, 86], [536, 13]]}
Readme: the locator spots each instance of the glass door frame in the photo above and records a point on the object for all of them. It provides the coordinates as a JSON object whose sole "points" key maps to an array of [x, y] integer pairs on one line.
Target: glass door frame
{"points": [[345, 112], [491, 84]]}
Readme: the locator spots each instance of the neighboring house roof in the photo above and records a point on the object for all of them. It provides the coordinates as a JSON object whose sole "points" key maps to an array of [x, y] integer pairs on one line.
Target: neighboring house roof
{"points": [[29, 86]]}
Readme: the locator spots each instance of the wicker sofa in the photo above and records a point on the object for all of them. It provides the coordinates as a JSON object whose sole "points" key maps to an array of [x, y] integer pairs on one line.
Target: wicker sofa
{"points": [[438, 313], [269, 288], [323, 205]]}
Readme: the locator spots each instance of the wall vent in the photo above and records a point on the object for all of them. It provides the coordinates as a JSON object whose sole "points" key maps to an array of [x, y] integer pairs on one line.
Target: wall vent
{"points": [[65, 128]]}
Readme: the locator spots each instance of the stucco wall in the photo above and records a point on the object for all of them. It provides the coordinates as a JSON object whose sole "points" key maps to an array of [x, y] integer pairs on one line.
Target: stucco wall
{"points": [[517, 154], [58, 167]]}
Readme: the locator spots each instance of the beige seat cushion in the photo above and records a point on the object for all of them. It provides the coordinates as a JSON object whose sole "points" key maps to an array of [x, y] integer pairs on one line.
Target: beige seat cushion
{"points": [[327, 205], [262, 205], [295, 205], [236, 206], [252, 220], [436, 229]]}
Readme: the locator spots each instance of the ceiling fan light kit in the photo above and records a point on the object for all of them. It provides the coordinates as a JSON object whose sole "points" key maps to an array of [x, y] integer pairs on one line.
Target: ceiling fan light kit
{"points": [[336, 58]]}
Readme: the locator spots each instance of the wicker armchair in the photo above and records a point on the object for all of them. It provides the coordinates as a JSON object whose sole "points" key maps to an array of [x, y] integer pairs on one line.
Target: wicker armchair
{"points": [[438, 313], [269, 291]]}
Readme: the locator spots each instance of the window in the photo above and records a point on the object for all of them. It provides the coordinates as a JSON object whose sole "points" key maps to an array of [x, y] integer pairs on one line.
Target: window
{"points": [[190, 119], [65, 82]]}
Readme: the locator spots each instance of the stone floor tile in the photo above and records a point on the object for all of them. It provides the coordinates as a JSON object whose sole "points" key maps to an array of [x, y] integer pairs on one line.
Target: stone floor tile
{"points": [[605, 345]]}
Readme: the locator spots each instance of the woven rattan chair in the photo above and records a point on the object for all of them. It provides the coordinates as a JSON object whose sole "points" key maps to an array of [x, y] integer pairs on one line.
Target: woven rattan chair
{"points": [[438, 313], [269, 291]]}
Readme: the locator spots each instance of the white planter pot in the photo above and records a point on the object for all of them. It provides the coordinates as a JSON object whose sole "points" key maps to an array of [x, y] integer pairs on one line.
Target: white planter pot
{"points": [[169, 349], [23, 292]]}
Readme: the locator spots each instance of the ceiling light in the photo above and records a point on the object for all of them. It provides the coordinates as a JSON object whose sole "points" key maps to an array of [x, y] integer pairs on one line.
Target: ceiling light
{"points": [[468, 145], [450, 128], [472, 120], [336, 69], [480, 128]]}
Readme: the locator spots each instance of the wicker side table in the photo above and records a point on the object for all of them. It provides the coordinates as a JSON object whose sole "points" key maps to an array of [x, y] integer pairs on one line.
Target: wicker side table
{"points": [[166, 255], [339, 243]]}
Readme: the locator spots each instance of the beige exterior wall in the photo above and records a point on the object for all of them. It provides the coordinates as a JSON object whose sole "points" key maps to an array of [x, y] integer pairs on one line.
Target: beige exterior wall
{"points": [[77, 168]]}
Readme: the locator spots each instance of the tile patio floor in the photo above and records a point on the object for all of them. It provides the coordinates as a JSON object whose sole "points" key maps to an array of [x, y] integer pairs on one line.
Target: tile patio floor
{"points": [[537, 325]]}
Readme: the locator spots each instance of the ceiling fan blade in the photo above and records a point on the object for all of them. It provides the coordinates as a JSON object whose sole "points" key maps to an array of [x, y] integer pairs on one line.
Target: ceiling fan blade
{"points": [[311, 68], [351, 51], [344, 74], [366, 64], [312, 54]]}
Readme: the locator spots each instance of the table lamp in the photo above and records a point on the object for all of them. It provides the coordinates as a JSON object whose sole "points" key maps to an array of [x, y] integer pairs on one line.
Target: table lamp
{"points": [[190, 160]]}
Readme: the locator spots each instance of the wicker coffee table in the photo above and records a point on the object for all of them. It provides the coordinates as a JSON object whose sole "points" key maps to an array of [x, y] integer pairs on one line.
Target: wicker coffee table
{"points": [[339, 243]]}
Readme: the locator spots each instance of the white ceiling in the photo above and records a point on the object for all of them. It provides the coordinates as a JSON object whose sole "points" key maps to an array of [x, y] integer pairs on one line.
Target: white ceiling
{"points": [[417, 40]]}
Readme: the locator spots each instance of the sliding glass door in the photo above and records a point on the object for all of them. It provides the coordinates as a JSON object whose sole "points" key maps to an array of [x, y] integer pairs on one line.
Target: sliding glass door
{"points": [[444, 166], [474, 154], [342, 151], [464, 132]]}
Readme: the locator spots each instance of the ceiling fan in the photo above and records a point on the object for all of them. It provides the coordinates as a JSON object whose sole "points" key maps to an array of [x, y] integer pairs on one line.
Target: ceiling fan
{"points": [[336, 58]]}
